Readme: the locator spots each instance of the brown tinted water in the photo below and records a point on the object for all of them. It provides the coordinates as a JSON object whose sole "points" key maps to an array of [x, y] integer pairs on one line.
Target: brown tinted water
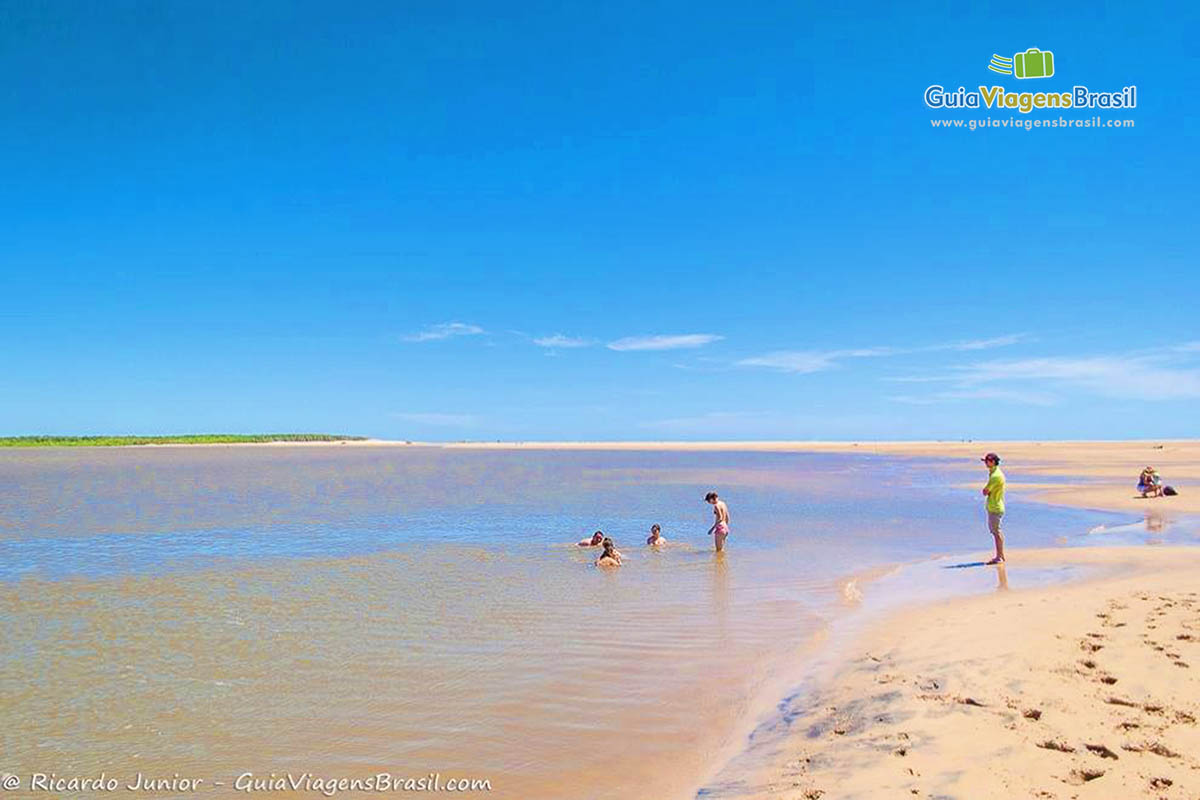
{"points": [[340, 611]]}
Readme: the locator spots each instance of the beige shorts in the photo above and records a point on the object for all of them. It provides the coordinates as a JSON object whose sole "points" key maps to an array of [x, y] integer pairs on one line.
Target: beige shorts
{"points": [[994, 523]]}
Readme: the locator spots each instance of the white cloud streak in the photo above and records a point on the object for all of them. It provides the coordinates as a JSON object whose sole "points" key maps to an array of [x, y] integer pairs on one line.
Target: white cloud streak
{"points": [[559, 341], [808, 361], [1139, 377], [664, 342], [1016, 397], [445, 330]]}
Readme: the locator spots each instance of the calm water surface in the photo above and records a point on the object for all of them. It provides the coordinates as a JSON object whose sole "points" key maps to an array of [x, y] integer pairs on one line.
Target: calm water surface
{"points": [[341, 611]]}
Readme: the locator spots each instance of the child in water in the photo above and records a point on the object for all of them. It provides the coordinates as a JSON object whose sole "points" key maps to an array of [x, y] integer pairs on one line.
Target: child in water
{"points": [[611, 557], [656, 537]]}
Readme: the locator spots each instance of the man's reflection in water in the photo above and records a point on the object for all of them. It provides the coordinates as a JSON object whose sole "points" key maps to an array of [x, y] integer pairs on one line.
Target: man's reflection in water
{"points": [[720, 590], [1155, 522], [1001, 577]]}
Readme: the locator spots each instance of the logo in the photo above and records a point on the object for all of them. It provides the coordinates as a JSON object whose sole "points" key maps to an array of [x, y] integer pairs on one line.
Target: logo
{"points": [[1033, 63]]}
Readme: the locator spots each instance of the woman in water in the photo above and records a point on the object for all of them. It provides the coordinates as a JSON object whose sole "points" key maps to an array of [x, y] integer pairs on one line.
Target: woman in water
{"points": [[656, 537], [611, 557]]}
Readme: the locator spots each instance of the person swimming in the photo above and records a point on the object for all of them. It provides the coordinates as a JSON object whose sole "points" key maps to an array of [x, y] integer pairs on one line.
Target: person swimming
{"points": [[656, 537], [595, 541], [611, 557]]}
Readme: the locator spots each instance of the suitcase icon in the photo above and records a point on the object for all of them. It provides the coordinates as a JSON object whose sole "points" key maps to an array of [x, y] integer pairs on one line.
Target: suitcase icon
{"points": [[1033, 63]]}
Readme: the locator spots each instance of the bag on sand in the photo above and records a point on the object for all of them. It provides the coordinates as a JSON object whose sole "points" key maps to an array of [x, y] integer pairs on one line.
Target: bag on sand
{"points": [[1169, 491]]}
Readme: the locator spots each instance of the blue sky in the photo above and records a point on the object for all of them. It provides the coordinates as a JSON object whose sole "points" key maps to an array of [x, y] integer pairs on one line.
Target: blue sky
{"points": [[641, 220]]}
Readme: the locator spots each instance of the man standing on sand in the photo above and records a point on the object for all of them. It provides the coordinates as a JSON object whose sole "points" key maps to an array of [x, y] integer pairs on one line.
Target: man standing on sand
{"points": [[720, 528], [994, 492]]}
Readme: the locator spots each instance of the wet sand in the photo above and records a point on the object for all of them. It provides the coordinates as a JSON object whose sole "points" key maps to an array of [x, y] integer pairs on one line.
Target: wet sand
{"points": [[1086, 690], [1083, 690]]}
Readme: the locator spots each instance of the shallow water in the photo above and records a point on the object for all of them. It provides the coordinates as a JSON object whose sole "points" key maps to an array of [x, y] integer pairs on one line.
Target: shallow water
{"points": [[343, 611]]}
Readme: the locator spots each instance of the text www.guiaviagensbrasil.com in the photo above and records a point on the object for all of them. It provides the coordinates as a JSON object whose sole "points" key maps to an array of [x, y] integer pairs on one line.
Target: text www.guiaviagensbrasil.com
{"points": [[1014, 123]]}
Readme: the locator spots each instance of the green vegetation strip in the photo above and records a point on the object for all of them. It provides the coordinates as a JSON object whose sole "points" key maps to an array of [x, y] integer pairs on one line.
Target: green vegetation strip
{"points": [[199, 438]]}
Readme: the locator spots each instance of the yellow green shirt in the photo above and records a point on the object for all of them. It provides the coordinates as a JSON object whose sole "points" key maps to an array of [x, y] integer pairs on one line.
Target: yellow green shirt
{"points": [[995, 487]]}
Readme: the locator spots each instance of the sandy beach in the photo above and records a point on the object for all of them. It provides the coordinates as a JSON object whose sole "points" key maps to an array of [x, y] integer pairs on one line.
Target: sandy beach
{"points": [[1089, 690], [1084, 690]]}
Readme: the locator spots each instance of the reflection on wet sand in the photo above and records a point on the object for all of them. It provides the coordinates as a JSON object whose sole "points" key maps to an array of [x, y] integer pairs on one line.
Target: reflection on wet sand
{"points": [[1002, 577], [719, 568]]}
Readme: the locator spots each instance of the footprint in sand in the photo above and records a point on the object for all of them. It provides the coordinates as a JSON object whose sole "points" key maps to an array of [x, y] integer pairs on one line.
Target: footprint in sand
{"points": [[1158, 748], [1101, 751], [1082, 776]]}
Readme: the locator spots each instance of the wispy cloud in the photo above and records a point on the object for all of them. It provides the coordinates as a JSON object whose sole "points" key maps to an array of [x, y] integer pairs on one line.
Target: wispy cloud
{"points": [[1140, 377], [797, 361], [444, 330], [1014, 396], [441, 420], [664, 342], [559, 341], [1163, 373], [986, 344], [807, 361]]}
